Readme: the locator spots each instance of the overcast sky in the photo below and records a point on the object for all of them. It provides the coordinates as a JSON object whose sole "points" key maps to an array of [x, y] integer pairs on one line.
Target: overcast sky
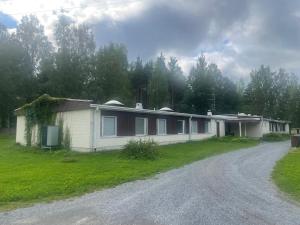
{"points": [[237, 35]]}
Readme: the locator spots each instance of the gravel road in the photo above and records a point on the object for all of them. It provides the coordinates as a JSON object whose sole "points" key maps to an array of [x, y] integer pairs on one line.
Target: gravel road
{"points": [[233, 188]]}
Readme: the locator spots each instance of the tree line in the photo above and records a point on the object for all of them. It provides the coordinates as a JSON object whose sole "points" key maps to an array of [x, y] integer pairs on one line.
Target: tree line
{"points": [[72, 66]]}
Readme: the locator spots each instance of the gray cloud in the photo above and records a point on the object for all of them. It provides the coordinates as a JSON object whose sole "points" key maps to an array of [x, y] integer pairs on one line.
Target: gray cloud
{"points": [[263, 32], [165, 27]]}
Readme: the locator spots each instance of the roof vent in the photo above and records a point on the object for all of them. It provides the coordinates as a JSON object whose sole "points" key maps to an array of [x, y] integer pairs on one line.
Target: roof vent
{"points": [[139, 105], [209, 113], [166, 109], [114, 103]]}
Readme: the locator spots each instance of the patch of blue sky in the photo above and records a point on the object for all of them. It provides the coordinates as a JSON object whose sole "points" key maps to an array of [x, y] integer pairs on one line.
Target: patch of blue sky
{"points": [[7, 21]]}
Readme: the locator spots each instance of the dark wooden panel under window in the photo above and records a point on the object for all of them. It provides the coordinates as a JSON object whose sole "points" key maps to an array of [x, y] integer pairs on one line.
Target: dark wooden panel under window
{"points": [[151, 125], [201, 125], [126, 122], [187, 126]]}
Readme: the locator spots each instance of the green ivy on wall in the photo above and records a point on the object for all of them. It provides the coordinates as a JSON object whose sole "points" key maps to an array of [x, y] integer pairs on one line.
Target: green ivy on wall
{"points": [[40, 112]]}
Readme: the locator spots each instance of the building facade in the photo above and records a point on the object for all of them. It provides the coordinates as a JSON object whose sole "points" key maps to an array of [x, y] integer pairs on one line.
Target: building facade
{"points": [[96, 127]]}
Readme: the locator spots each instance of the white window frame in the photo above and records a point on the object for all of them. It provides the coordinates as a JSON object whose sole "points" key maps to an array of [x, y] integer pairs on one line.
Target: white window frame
{"points": [[157, 126], [145, 126], [102, 126], [206, 125], [183, 126], [194, 121]]}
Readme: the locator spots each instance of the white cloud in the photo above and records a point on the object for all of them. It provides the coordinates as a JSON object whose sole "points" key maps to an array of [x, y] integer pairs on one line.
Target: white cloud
{"points": [[81, 11]]}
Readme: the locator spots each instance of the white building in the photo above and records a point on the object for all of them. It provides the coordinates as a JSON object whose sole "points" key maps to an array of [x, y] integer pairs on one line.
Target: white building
{"points": [[111, 125]]}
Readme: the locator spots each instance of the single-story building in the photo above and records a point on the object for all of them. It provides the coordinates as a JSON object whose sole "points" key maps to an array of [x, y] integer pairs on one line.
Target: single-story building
{"points": [[295, 131], [246, 125], [94, 127]]}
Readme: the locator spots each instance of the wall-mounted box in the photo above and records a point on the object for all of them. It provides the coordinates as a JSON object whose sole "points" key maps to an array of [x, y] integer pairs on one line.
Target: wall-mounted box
{"points": [[50, 136]]}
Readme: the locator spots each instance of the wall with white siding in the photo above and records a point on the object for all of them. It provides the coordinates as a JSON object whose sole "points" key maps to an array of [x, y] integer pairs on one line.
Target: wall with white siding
{"points": [[78, 122], [20, 130], [287, 128], [253, 130], [265, 127], [80, 127], [213, 127]]}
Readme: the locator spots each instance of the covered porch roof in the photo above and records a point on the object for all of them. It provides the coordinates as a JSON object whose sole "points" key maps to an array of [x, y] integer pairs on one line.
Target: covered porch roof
{"points": [[240, 117]]}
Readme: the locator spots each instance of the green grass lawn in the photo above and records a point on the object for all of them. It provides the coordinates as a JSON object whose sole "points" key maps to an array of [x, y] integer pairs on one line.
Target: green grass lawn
{"points": [[276, 137], [286, 174], [29, 175]]}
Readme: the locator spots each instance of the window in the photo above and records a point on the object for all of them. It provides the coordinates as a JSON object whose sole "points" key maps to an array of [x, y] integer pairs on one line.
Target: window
{"points": [[205, 126], [180, 126], [161, 126], [109, 126], [194, 127], [141, 126]]}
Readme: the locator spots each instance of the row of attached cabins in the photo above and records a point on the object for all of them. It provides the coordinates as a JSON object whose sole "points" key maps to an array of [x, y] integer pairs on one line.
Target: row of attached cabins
{"points": [[111, 125]]}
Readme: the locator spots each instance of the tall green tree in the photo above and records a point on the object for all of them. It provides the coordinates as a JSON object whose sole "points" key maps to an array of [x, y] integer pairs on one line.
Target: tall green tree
{"points": [[209, 90], [110, 79], [68, 72], [293, 102], [273, 94], [139, 79], [259, 97], [176, 83], [15, 77], [31, 36], [158, 84]]}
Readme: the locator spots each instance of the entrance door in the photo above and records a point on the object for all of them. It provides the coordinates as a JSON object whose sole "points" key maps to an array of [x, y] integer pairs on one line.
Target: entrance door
{"points": [[218, 129]]}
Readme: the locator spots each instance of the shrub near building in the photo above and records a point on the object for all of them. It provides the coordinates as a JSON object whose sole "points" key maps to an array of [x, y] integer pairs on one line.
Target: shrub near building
{"points": [[141, 149]]}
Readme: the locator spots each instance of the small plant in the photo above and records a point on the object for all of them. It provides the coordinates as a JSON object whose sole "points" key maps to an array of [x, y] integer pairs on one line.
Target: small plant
{"points": [[141, 149], [67, 139], [275, 137], [60, 131]]}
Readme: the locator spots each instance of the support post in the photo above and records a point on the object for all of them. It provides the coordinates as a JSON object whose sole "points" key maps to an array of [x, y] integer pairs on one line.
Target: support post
{"points": [[240, 128], [190, 128], [245, 129]]}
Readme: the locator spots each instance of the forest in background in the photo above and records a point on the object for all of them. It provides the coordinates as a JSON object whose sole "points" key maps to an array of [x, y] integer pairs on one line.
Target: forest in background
{"points": [[72, 66]]}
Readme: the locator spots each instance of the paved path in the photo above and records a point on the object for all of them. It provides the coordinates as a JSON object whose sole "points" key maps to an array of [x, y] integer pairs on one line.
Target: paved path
{"points": [[233, 188]]}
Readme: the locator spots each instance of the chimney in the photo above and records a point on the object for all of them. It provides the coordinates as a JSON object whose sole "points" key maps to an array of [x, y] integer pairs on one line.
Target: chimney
{"points": [[209, 113], [139, 105]]}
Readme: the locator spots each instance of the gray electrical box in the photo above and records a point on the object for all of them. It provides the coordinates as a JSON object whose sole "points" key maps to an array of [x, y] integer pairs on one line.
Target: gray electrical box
{"points": [[50, 136]]}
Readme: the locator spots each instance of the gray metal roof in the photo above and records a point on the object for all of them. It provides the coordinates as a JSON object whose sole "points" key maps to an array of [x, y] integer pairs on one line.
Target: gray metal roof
{"points": [[160, 112], [79, 104]]}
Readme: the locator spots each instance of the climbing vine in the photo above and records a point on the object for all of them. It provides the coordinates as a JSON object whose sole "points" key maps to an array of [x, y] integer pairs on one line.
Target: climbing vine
{"points": [[40, 112]]}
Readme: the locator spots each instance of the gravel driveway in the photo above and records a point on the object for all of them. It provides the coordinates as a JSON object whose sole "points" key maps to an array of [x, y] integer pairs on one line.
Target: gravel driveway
{"points": [[233, 188]]}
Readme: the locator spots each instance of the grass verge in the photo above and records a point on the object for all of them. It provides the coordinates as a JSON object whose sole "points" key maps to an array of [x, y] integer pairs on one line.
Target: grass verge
{"points": [[271, 137], [286, 174], [29, 175]]}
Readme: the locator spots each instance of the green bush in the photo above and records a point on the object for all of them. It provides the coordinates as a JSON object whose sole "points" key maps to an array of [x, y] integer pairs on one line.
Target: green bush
{"points": [[141, 149], [275, 137], [235, 139]]}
